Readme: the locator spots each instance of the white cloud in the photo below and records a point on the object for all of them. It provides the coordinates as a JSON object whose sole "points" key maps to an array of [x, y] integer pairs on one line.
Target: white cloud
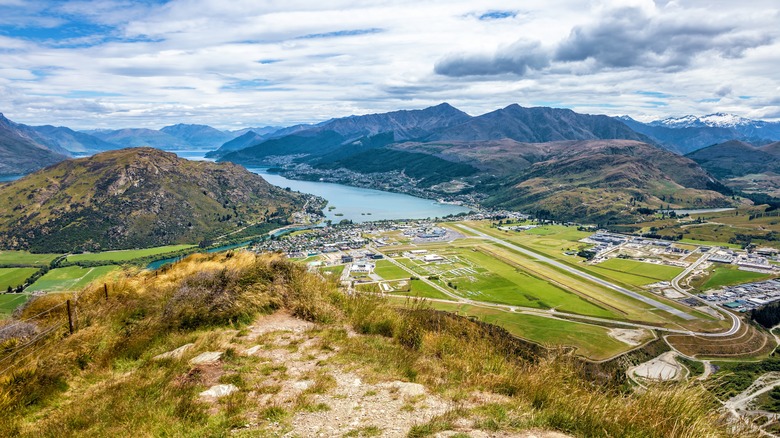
{"points": [[245, 62]]}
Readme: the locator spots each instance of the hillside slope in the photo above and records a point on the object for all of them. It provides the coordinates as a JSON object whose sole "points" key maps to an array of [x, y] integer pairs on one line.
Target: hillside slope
{"points": [[134, 198], [735, 158], [20, 153], [247, 345], [594, 180]]}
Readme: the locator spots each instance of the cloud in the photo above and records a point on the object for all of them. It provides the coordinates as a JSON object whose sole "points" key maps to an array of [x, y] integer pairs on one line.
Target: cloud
{"points": [[723, 91], [517, 59], [151, 63], [630, 37]]}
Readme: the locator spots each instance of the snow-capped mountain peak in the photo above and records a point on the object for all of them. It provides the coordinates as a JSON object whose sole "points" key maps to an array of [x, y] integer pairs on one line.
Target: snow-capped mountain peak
{"points": [[722, 120], [716, 120]]}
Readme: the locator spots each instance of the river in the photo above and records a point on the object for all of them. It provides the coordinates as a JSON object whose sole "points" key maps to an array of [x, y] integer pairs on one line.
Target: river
{"points": [[354, 203]]}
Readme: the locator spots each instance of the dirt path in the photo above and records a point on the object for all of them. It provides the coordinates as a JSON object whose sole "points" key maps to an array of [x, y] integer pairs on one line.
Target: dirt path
{"points": [[329, 399]]}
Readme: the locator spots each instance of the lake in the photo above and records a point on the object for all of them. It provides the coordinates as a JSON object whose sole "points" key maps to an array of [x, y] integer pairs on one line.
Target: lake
{"points": [[9, 178], [363, 205], [354, 203]]}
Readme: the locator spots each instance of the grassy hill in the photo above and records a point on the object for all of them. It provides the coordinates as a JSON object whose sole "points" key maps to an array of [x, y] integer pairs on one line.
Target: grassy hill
{"points": [[736, 158], [593, 180], [134, 198], [302, 358]]}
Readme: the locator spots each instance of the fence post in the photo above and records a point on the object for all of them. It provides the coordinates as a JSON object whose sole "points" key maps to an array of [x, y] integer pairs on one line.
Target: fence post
{"points": [[105, 289], [70, 318]]}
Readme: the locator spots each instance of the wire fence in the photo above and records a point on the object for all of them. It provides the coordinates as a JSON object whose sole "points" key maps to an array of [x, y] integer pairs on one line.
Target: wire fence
{"points": [[50, 326]]}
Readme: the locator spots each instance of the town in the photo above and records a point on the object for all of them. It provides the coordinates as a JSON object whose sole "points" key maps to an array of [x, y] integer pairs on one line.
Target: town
{"points": [[355, 247]]}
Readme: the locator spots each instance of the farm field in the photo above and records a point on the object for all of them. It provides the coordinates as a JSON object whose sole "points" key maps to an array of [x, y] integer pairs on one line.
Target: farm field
{"points": [[125, 255], [26, 258], [70, 278], [589, 340], [14, 277], [9, 302]]}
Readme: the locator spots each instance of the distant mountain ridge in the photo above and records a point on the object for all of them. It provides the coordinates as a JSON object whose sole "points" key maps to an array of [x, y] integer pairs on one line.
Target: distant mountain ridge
{"points": [[403, 125], [198, 136], [439, 123], [536, 125], [690, 133], [21, 152]]}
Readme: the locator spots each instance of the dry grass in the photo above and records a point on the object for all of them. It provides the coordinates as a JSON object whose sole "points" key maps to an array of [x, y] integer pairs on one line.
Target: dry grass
{"points": [[102, 380]]}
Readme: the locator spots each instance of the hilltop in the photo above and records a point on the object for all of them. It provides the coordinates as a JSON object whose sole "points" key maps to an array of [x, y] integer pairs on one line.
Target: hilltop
{"points": [[134, 198], [248, 345]]}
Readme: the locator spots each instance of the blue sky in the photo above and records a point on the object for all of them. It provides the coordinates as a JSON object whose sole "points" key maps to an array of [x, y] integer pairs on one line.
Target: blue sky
{"points": [[115, 63]]}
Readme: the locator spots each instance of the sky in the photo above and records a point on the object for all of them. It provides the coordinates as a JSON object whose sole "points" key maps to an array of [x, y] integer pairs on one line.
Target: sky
{"points": [[241, 63]]}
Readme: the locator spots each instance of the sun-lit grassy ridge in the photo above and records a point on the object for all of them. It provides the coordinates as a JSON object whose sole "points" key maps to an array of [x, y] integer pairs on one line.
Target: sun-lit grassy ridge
{"points": [[135, 198], [103, 380]]}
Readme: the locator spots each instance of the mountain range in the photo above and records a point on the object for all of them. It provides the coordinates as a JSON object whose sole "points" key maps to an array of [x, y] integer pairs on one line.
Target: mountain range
{"points": [[690, 133], [25, 148], [570, 165], [134, 198], [543, 158]]}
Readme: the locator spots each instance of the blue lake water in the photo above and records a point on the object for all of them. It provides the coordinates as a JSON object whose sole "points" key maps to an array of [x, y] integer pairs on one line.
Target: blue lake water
{"points": [[354, 203], [363, 205], [7, 178]]}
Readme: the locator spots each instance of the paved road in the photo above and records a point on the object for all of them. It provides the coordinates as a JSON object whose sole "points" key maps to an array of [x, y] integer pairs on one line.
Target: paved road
{"points": [[736, 322], [594, 279]]}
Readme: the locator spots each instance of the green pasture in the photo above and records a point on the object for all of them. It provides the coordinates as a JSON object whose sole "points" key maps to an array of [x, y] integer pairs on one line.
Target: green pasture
{"points": [[502, 283], [125, 255], [70, 279], [26, 258], [9, 302], [14, 277], [419, 288], [335, 271]]}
